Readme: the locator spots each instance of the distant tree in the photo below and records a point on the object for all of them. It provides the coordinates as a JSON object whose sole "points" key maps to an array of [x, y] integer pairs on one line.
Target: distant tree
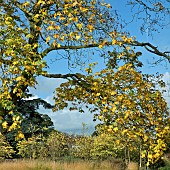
{"points": [[30, 30], [32, 148], [33, 123]]}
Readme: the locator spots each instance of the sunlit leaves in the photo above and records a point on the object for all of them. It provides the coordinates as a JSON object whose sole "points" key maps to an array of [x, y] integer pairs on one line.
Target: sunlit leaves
{"points": [[104, 146], [122, 98], [126, 102], [19, 64], [6, 149]]}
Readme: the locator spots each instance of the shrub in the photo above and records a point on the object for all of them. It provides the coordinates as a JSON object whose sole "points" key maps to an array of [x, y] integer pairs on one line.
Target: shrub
{"points": [[32, 148], [6, 150], [57, 145]]}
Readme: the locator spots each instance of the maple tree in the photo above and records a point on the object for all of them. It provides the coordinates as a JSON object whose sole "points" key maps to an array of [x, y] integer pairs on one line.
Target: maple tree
{"points": [[31, 30]]}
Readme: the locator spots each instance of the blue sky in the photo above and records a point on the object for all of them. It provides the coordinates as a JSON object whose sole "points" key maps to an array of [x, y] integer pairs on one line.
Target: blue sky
{"points": [[70, 121]]}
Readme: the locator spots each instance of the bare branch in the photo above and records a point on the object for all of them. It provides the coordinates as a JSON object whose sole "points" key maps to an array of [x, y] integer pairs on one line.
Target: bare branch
{"points": [[151, 48]]}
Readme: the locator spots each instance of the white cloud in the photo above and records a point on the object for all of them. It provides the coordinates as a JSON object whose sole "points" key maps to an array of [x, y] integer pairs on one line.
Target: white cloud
{"points": [[45, 86], [64, 120], [69, 121]]}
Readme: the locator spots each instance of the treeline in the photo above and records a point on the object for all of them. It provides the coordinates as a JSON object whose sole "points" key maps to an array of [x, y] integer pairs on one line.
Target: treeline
{"points": [[60, 146]]}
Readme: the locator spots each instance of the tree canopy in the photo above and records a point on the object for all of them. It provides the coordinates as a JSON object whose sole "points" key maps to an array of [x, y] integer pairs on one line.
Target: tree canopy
{"points": [[125, 100]]}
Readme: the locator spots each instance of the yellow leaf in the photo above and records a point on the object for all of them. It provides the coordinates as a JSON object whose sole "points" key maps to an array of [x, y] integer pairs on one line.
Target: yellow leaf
{"points": [[5, 124], [128, 48], [100, 117], [115, 129], [13, 126], [36, 17], [50, 28], [114, 109], [8, 20], [150, 156], [98, 94], [17, 118], [167, 128], [108, 6], [79, 26], [62, 38], [95, 83], [26, 4], [114, 42], [113, 93], [15, 62], [103, 102], [19, 78], [40, 2], [100, 46], [143, 155], [56, 35], [90, 27], [61, 18], [78, 37], [145, 138], [48, 39], [57, 27], [110, 130], [20, 135]]}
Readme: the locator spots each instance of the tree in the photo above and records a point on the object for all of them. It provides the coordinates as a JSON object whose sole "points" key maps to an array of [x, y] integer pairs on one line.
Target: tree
{"points": [[57, 145], [32, 148], [30, 30], [82, 147], [106, 146], [127, 102], [33, 123]]}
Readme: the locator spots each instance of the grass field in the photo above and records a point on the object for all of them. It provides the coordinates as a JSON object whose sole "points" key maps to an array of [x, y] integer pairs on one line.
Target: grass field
{"points": [[51, 165]]}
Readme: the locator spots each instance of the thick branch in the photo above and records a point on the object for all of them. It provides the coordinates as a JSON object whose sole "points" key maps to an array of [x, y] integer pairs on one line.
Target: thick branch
{"points": [[52, 48], [64, 76], [149, 47], [77, 79]]}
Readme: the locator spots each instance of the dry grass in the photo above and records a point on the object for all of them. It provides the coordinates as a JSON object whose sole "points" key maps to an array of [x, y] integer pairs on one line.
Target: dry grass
{"points": [[49, 165], [133, 166]]}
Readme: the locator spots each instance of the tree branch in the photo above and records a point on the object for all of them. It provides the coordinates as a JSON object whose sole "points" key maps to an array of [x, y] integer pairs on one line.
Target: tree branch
{"points": [[71, 47], [149, 47], [77, 79], [64, 76]]}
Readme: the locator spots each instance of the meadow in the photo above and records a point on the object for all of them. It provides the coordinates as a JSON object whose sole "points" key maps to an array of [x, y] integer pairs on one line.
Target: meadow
{"points": [[54, 165]]}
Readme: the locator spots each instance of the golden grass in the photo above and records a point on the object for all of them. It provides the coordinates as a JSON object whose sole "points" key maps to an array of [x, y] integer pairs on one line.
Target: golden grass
{"points": [[50, 165], [133, 166]]}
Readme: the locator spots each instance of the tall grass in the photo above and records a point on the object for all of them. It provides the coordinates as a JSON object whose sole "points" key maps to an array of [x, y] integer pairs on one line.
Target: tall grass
{"points": [[51, 165]]}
